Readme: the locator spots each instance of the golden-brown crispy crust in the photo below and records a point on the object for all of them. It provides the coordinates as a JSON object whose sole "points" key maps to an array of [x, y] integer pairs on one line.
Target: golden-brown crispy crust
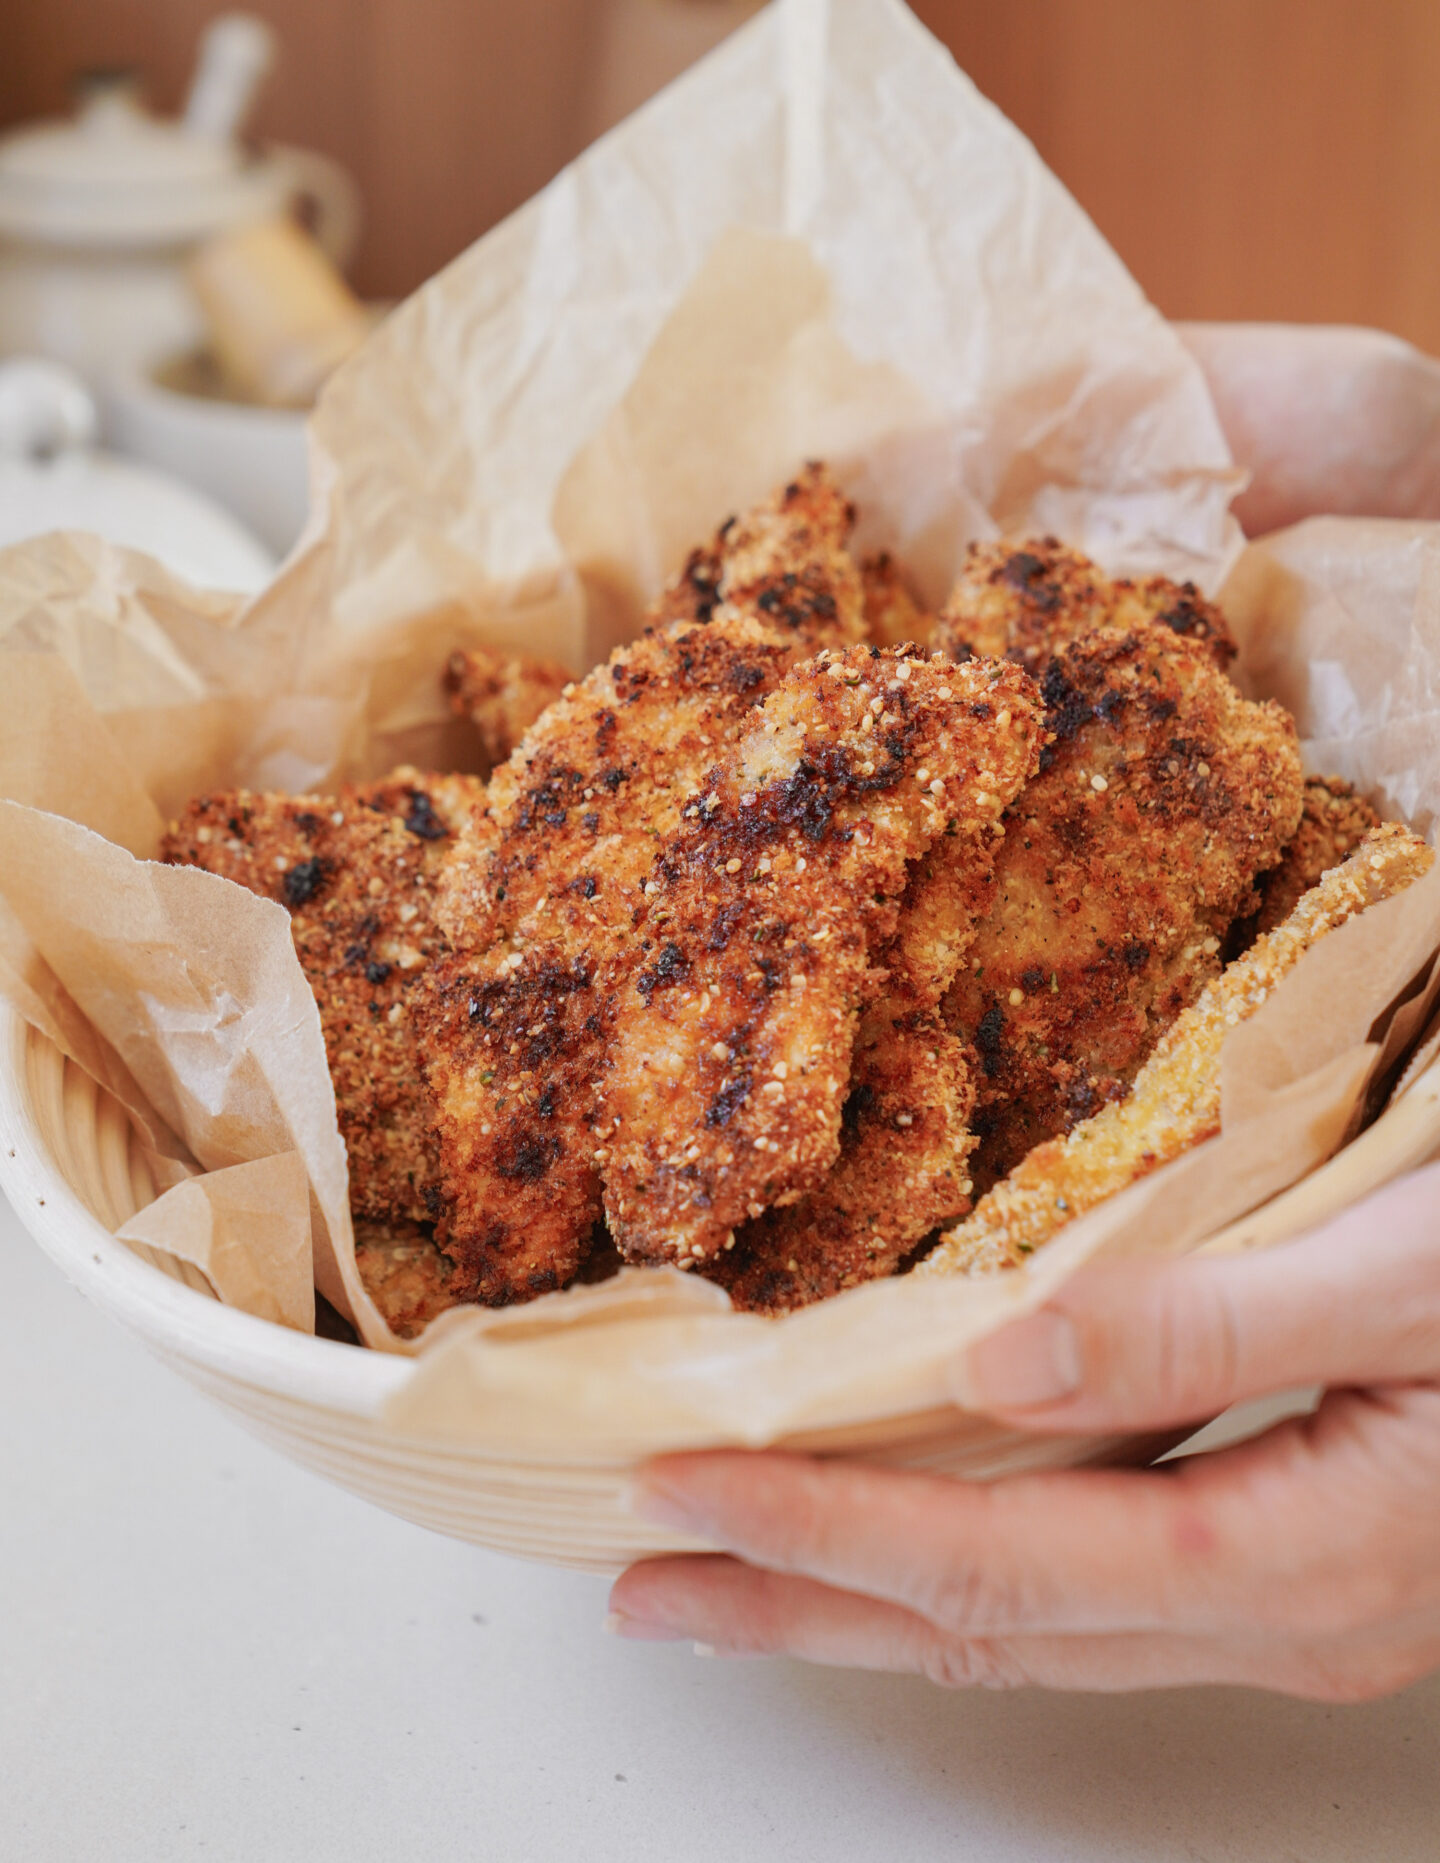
{"points": [[502, 694], [894, 614], [785, 564], [405, 1274], [1125, 860], [1334, 823], [545, 893], [357, 873], [731, 1052], [546, 897], [1175, 1101], [905, 1138], [1026, 601]]}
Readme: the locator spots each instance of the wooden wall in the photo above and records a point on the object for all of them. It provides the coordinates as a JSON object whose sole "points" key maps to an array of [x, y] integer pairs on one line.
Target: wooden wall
{"points": [[1248, 158]]}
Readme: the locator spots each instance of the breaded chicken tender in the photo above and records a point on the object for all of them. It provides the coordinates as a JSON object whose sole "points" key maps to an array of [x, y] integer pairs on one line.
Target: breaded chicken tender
{"points": [[904, 1142], [785, 564], [405, 1274], [1026, 602], [1334, 822], [905, 1137], [546, 894], [893, 612], [1161, 797], [1175, 1101], [502, 694], [357, 873], [730, 1058]]}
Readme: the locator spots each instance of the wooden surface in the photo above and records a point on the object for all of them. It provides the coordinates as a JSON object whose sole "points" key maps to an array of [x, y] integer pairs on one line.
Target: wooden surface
{"points": [[1248, 158]]}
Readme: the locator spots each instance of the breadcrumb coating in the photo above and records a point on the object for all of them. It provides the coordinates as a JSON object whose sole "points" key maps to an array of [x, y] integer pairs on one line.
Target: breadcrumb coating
{"points": [[1026, 602], [405, 1274], [785, 564], [905, 1137], [357, 873], [894, 615], [730, 1057], [545, 893], [502, 694], [1334, 822], [904, 1141], [1175, 1101], [1161, 796]]}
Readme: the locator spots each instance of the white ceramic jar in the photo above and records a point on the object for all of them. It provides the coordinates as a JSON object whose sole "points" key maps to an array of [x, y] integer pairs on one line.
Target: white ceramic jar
{"points": [[99, 213]]}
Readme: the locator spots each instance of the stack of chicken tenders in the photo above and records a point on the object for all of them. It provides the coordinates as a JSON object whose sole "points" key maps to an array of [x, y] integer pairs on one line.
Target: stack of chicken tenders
{"points": [[811, 938]]}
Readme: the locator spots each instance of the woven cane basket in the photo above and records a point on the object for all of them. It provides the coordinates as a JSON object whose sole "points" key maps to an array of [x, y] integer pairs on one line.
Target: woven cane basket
{"points": [[71, 1166]]}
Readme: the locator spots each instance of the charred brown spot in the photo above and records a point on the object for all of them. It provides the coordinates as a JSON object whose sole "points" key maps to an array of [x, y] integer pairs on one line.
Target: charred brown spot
{"points": [[669, 967], [988, 1034], [526, 1156], [303, 882], [422, 820], [727, 1102]]}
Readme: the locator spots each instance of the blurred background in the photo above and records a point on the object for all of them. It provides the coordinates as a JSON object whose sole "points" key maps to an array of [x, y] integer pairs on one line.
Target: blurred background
{"points": [[1247, 158], [1268, 159]]}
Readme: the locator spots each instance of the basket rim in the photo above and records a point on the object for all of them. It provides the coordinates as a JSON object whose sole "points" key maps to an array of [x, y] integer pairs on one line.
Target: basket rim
{"points": [[323, 1372]]}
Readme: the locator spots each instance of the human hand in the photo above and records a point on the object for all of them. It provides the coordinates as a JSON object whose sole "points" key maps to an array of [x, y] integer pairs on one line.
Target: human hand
{"points": [[1326, 418], [1307, 1560]]}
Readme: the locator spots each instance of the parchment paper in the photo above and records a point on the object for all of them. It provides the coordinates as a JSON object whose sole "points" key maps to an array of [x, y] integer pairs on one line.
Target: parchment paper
{"points": [[822, 241]]}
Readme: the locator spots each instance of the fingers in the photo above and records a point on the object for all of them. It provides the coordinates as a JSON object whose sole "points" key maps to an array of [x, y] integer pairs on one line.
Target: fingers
{"points": [[1320, 1529], [1137, 1345], [735, 1609], [1066, 1552], [1328, 419]]}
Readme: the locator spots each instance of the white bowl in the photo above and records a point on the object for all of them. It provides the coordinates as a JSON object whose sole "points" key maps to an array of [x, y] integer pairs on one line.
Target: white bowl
{"points": [[73, 1172], [253, 460]]}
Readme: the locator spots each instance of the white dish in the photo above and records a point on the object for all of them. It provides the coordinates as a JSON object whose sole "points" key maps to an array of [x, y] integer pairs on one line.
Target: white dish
{"points": [[252, 460]]}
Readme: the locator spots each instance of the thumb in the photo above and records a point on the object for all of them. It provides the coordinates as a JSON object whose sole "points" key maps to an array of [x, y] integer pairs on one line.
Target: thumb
{"points": [[1140, 1344]]}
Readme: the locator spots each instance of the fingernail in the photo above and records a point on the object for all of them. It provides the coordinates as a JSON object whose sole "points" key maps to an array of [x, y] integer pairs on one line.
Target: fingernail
{"points": [[638, 1630], [1034, 1361]]}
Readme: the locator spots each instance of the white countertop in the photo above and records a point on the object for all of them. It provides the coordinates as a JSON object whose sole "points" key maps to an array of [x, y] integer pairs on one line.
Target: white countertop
{"points": [[207, 1652]]}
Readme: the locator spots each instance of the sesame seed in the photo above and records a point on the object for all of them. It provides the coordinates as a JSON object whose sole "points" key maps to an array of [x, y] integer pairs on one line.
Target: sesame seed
{"points": [[937, 787], [1016, 998], [732, 866], [718, 1051], [922, 776], [1099, 785], [697, 1250], [780, 1070], [338, 818], [730, 1240], [651, 887], [1202, 769], [876, 707], [967, 1187], [760, 1145], [763, 863], [904, 1119], [1002, 723], [944, 692], [902, 671], [281, 863], [793, 1266], [800, 864]]}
